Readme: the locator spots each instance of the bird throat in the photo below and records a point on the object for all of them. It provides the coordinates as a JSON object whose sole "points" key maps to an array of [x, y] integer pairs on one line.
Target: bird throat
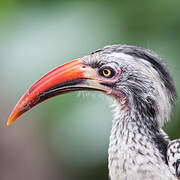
{"points": [[134, 146]]}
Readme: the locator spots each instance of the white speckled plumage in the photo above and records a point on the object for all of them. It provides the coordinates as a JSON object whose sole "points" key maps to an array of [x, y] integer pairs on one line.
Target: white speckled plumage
{"points": [[138, 146], [173, 157], [132, 152]]}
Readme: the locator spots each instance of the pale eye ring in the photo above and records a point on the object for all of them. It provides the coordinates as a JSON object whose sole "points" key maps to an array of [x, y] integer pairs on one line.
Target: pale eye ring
{"points": [[107, 72]]}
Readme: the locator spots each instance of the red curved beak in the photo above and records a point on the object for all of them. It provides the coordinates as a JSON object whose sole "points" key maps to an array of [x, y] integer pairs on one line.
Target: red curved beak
{"points": [[69, 77]]}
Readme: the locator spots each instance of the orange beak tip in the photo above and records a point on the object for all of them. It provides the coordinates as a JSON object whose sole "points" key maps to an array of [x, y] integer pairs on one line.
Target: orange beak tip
{"points": [[11, 119], [9, 122]]}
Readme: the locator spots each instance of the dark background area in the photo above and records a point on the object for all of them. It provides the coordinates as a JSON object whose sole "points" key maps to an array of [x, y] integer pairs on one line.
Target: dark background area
{"points": [[67, 136]]}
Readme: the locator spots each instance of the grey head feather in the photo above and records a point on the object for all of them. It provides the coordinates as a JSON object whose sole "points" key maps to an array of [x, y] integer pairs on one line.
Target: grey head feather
{"points": [[140, 87], [148, 55]]}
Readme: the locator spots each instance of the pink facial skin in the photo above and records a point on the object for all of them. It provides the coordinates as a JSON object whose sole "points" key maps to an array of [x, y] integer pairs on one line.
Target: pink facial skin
{"points": [[118, 94]]}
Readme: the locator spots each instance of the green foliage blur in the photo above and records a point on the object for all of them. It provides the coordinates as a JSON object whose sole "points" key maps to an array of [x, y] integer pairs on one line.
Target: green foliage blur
{"points": [[67, 137]]}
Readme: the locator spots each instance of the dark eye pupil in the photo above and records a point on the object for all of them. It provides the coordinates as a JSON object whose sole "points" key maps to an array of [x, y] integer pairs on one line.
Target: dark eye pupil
{"points": [[106, 71]]}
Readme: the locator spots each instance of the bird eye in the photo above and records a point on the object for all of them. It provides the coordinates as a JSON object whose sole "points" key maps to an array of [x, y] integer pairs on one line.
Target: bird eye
{"points": [[107, 72]]}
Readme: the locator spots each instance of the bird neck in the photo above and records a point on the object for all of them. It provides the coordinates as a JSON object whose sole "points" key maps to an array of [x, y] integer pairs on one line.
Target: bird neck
{"points": [[134, 142]]}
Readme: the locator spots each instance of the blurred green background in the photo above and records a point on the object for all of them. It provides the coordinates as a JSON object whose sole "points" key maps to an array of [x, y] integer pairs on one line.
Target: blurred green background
{"points": [[67, 136]]}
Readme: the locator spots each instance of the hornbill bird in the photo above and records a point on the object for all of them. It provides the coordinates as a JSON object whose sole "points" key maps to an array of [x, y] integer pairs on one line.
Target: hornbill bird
{"points": [[144, 94]]}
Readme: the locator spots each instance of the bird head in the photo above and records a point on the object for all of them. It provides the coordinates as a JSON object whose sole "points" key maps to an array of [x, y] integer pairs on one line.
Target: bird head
{"points": [[136, 78]]}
